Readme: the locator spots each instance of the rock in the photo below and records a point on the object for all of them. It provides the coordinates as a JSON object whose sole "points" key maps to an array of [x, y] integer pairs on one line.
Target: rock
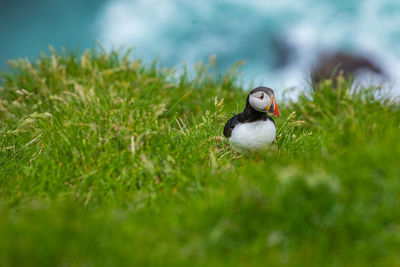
{"points": [[340, 63]]}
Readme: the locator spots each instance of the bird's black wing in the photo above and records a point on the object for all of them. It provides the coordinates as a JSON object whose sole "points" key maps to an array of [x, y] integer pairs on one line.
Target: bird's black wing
{"points": [[230, 124]]}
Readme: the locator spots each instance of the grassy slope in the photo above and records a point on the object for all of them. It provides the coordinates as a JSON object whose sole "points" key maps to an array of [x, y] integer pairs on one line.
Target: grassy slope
{"points": [[106, 161]]}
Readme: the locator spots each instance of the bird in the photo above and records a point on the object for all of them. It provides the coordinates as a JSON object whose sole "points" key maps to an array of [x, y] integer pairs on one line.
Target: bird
{"points": [[253, 129]]}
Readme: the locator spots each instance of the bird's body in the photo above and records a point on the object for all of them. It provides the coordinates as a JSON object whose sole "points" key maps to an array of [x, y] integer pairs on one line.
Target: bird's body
{"points": [[253, 129], [253, 136]]}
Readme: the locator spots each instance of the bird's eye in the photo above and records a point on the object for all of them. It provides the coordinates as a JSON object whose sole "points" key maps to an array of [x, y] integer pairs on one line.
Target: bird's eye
{"points": [[261, 97]]}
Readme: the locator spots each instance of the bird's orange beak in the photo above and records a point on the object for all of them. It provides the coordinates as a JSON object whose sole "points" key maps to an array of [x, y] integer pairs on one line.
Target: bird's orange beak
{"points": [[273, 107]]}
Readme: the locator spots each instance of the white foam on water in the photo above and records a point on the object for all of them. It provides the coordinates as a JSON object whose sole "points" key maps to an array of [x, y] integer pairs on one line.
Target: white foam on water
{"points": [[180, 31]]}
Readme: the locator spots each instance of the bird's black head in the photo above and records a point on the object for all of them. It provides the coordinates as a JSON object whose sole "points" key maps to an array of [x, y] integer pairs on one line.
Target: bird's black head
{"points": [[262, 99]]}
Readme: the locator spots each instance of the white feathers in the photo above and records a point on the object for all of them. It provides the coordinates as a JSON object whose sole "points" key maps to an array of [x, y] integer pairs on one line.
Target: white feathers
{"points": [[253, 136]]}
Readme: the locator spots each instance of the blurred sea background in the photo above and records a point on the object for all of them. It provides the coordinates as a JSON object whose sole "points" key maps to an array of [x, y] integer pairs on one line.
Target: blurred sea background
{"points": [[280, 41]]}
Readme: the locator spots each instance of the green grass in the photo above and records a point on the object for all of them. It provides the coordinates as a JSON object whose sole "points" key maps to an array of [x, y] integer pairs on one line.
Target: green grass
{"points": [[106, 161]]}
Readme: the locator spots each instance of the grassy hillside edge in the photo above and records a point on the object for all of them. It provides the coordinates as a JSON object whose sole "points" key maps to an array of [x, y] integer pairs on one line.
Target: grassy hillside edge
{"points": [[107, 161]]}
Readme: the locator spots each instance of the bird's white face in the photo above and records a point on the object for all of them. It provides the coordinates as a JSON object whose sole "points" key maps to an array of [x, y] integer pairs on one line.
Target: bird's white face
{"points": [[260, 101]]}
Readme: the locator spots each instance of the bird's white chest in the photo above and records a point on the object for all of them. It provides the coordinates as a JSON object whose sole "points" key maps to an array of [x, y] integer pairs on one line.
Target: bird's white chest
{"points": [[253, 136]]}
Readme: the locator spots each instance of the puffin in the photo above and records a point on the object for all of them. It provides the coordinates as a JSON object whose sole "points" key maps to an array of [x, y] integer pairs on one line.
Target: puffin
{"points": [[253, 129]]}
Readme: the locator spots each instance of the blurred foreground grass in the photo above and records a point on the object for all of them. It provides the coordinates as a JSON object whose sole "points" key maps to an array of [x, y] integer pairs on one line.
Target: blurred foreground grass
{"points": [[106, 161]]}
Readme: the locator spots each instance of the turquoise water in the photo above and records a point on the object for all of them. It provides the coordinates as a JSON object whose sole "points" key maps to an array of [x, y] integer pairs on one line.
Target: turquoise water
{"points": [[280, 40], [28, 27]]}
